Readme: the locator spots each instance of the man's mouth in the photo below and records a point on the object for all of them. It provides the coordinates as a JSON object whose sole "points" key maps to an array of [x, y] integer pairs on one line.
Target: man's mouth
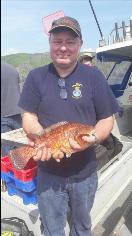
{"points": [[63, 56]]}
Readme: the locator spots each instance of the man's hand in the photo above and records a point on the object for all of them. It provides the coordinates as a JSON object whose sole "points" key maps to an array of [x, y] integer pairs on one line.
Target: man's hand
{"points": [[90, 140], [44, 153]]}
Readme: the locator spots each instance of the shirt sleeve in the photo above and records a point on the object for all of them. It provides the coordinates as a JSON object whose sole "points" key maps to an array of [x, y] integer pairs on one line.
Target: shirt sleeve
{"points": [[30, 96], [104, 100]]}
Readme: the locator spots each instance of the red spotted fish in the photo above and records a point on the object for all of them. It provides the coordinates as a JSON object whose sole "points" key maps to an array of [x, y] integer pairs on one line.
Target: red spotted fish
{"points": [[55, 137]]}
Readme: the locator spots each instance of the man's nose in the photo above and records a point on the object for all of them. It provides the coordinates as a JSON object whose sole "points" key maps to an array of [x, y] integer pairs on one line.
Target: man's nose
{"points": [[63, 47]]}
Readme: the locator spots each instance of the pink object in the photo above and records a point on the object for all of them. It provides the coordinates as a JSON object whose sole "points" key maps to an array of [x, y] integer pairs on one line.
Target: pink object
{"points": [[47, 20]]}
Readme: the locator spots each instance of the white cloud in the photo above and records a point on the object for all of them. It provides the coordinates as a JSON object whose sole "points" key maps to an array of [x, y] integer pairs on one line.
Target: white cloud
{"points": [[10, 51], [87, 50]]}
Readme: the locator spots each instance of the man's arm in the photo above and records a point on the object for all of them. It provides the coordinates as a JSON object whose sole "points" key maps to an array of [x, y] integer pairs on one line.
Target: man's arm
{"points": [[31, 124], [102, 131], [103, 128]]}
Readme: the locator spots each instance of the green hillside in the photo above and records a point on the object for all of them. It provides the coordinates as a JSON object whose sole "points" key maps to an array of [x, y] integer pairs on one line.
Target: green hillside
{"points": [[24, 62]]}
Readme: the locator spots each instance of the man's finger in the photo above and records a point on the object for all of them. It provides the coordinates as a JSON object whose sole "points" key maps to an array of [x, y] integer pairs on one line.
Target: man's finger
{"points": [[58, 155], [38, 155], [44, 154], [74, 144], [31, 143], [48, 154], [89, 139]]}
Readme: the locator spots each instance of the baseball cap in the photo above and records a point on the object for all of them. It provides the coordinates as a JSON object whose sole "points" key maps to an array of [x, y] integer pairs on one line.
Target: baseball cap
{"points": [[87, 54], [66, 22]]}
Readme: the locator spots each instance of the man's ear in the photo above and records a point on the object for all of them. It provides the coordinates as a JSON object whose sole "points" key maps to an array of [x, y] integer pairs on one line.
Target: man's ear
{"points": [[49, 38], [81, 42]]}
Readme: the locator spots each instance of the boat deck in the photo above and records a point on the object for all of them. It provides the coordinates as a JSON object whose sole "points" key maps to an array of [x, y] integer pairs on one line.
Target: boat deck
{"points": [[118, 220]]}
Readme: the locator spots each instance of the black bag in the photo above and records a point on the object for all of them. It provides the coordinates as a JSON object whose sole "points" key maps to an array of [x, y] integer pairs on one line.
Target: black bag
{"points": [[15, 225], [114, 144], [109, 148]]}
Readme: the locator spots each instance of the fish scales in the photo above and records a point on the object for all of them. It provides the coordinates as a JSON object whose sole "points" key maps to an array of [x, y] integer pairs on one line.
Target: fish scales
{"points": [[55, 137]]}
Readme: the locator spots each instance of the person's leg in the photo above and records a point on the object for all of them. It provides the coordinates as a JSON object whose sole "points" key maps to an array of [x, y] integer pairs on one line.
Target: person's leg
{"points": [[52, 203], [81, 198]]}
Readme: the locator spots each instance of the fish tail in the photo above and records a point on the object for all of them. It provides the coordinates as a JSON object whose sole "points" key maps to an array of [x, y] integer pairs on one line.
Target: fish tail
{"points": [[20, 156]]}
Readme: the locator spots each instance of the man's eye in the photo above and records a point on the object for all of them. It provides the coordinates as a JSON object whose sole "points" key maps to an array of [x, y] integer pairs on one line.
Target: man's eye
{"points": [[71, 42], [57, 42]]}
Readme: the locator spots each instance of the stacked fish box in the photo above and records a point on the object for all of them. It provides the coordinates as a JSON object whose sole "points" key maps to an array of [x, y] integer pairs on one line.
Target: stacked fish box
{"points": [[20, 182]]}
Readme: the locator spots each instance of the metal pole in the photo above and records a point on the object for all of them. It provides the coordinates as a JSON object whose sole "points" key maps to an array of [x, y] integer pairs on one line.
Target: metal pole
{"points": [[131, 27], [96, 19], [117, 34], [124, 30]]}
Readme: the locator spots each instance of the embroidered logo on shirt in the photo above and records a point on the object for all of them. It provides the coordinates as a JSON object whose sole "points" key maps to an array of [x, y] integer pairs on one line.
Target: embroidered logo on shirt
{"points": [[77, 90]]}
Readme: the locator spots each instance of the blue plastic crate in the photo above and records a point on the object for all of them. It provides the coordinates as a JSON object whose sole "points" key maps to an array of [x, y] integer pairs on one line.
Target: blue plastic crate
{"points": [[28, 186], [28, 198]]}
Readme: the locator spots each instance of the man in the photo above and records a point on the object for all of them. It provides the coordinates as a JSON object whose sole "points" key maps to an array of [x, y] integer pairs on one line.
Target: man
{"points": [[10, 94], [66, 90], [86, 58]]}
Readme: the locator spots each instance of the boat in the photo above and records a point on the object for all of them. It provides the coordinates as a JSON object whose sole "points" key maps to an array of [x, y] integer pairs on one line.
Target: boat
{"points": [[114, 173], [115, 176]]}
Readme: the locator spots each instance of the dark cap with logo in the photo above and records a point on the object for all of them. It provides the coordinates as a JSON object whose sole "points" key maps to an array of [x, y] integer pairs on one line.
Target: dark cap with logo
{"points": [[66, 22]]}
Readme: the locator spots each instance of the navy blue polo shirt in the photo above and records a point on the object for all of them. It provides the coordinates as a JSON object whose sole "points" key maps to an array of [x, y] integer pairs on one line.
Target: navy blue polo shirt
{"points": [[89, 100]]}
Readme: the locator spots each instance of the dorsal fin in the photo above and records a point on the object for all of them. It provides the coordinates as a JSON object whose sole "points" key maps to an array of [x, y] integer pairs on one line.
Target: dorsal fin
{"points": [[54, 126]]}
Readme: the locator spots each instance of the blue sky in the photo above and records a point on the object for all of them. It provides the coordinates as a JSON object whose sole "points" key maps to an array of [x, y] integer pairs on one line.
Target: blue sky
{"points": [[22, 30]]}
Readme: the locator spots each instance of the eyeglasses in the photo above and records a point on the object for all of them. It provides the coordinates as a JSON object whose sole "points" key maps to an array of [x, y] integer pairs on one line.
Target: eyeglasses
{"points": [[63, 91]]}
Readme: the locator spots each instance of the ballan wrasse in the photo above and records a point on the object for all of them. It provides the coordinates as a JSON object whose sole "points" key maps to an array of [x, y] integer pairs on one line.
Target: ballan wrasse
{"points": [[55, 137]]}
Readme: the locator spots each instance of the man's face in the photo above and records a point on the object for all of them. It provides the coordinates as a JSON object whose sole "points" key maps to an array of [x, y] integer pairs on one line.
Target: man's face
{"points": [[87, 61], [64, 48]]}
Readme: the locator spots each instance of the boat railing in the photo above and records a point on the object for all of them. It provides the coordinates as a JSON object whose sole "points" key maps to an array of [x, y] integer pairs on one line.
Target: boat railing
{"points": [[120, 33]]}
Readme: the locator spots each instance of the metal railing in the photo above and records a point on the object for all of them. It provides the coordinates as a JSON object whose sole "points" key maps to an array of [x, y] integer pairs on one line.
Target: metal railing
{"points": [[120, 33]]}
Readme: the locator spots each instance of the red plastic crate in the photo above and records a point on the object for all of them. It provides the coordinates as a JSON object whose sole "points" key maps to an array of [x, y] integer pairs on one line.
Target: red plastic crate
{"points": [[26, 174]]}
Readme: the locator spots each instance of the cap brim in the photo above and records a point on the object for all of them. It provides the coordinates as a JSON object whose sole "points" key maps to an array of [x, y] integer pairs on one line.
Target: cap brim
{"points": [[67, 27]]}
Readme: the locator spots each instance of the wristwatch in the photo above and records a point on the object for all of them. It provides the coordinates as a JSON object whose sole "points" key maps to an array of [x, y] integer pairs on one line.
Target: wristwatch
{"points": [[96, 138]]}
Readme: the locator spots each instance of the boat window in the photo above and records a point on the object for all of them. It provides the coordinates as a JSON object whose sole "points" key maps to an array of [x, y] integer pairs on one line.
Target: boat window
{"points": [[105, 67], [130, 79], [118, 73]]}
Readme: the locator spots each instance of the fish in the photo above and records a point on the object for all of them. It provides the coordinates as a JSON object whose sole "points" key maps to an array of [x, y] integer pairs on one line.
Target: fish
{"points": [[54, 137]]}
